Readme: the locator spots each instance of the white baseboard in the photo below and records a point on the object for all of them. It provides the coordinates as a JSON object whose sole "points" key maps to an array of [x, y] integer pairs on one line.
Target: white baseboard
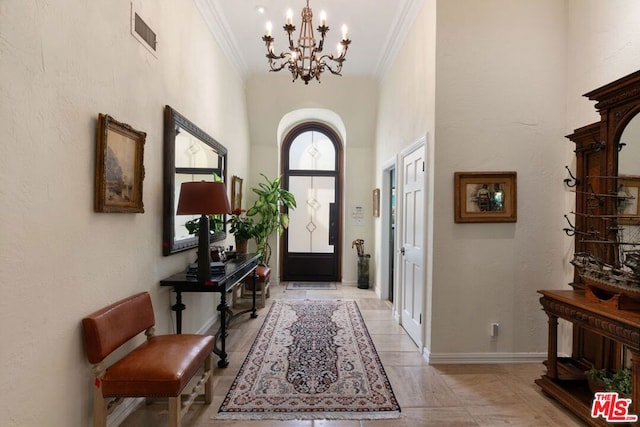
{"points": [[483, 358], [122, 411], [208, 324]]}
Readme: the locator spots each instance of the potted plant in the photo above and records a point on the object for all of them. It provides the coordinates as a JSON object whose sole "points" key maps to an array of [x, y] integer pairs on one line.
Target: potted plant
{"points": [[619, 381], [267, 214], [242, 229]]}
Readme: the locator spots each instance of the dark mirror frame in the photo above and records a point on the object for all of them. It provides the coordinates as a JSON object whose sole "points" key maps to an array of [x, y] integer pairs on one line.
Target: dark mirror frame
{"points": [[172, 121]]}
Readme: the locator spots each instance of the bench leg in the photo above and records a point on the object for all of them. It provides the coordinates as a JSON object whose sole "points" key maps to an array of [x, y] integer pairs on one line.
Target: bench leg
{"points": [[175, 412], [99, 407], [234, 296], [266, 290], [208, 386]]}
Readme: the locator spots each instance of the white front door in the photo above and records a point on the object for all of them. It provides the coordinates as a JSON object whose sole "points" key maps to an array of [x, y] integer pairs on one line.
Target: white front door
{"points": [[412, 249]]}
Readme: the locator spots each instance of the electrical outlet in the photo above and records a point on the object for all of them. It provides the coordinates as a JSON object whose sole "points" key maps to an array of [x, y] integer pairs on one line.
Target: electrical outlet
{"points": [[494, 329]]}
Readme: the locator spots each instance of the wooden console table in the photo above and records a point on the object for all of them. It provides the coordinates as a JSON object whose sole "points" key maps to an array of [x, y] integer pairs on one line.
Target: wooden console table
{"points": [[236, 270], [565, 379]]}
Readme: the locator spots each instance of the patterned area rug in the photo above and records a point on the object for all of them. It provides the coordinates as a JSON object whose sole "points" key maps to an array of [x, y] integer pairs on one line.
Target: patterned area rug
{"points": [[311, 286], [312, 359]]}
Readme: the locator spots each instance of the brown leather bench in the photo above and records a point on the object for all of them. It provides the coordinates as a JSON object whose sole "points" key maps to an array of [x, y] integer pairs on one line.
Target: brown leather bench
{"points": [[161, 367]]}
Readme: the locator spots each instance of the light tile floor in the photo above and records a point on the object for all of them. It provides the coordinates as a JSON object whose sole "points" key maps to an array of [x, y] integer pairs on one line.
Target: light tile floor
{"points": [[429, 395]]}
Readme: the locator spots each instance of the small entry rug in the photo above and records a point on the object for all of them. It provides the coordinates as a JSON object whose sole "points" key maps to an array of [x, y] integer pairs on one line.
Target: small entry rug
{"points": [[312, 359], [311, 286]]}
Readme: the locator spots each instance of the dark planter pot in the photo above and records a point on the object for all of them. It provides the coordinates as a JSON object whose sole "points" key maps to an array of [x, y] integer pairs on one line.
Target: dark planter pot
{"points": [[241, 246], [363, 271]]}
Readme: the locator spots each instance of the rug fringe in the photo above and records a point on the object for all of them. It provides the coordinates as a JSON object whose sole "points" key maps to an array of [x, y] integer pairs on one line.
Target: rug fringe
{"points": [[289, 416]]}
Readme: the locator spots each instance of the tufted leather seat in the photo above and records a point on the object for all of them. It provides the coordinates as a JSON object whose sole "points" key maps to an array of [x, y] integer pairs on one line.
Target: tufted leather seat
{"points": [[158, 368]]}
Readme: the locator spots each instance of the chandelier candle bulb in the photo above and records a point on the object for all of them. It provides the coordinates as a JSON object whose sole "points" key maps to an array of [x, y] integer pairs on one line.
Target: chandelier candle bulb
{"points": [[344, 32], [269, 28], [323, 18], [289, 16]]}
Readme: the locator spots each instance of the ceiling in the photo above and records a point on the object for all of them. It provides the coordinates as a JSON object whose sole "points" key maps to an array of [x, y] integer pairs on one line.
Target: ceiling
{"points": [[376, 29]]}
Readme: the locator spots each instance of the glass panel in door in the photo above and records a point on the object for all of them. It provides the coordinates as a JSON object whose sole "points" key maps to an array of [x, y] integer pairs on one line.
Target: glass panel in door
{"points": [[310, 246]]}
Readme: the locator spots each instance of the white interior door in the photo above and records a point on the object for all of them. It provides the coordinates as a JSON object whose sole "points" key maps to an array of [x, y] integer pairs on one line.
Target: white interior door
{"points": [[412, 249]]}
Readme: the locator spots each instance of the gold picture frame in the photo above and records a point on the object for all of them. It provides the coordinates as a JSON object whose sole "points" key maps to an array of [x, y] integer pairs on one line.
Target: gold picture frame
{"points": [[236, 193], [485, 197], [628, 193], [119, 167]]}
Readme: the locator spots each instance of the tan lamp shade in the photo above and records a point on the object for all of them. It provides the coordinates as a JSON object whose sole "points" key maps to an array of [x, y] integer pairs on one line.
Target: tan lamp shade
{"points": [[202, 197]]}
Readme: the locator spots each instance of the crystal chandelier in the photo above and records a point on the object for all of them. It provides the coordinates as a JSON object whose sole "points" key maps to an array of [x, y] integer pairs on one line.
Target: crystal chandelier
{"points": [[305, 60]]}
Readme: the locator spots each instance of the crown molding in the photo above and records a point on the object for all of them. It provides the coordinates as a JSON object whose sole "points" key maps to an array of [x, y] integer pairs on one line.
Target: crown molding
{"points": [[223, 35], [401, 27]]}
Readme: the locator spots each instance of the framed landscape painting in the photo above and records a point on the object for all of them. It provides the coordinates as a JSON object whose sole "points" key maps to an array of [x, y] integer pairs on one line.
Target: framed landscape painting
{"points": [[119, 167]]}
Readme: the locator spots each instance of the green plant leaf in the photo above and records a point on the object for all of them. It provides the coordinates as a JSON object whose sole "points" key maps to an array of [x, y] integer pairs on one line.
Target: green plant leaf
{"points": [[266, 213]]}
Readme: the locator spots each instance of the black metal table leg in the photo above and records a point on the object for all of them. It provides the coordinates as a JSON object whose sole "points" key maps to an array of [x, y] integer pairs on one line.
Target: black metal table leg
{"points": [[255, 285], [178, 307], [223, 308]]}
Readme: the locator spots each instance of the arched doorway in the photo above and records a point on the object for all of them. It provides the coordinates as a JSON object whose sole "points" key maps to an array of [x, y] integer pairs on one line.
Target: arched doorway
{"points": [[312, 171]]}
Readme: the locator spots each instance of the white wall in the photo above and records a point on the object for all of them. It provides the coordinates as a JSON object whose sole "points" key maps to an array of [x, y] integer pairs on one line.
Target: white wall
{"points": [[406, 113], [354, 100], [62, 63], [603, 45], [499, 105]]}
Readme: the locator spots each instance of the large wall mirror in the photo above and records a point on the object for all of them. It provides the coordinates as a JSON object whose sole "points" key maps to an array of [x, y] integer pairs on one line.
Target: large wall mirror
{"points": [[628, 191], [190, 154], [629, 150]]}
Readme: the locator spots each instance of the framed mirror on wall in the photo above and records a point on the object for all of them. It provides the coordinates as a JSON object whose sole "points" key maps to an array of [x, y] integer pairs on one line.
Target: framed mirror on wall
{"points": [[629, 179], [190, 154]]}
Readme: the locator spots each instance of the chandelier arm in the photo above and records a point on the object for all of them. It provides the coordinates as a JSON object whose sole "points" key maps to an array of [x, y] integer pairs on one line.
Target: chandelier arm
{"points": [[273, 63], [292, 64], [277, 67], [328, 66], [290, 30], [322, 29]]}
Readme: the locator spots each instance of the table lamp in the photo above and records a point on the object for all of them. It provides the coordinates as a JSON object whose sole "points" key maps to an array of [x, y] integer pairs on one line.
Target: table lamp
{"points": [[203, 198]]}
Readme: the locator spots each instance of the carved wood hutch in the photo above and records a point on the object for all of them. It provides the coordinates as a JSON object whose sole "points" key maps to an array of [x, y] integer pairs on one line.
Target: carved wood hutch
{"points": [[606, 324]]}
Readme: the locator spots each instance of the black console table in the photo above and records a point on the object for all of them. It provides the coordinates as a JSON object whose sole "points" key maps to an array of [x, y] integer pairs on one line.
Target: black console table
{"points": [[236, 270]]}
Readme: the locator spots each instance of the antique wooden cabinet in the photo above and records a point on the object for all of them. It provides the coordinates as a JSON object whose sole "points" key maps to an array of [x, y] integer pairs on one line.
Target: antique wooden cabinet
{"points": [[604, 305]]}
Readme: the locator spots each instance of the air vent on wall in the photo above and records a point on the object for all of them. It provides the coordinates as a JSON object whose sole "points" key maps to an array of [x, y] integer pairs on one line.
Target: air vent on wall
{"points": [[143, 33]]}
